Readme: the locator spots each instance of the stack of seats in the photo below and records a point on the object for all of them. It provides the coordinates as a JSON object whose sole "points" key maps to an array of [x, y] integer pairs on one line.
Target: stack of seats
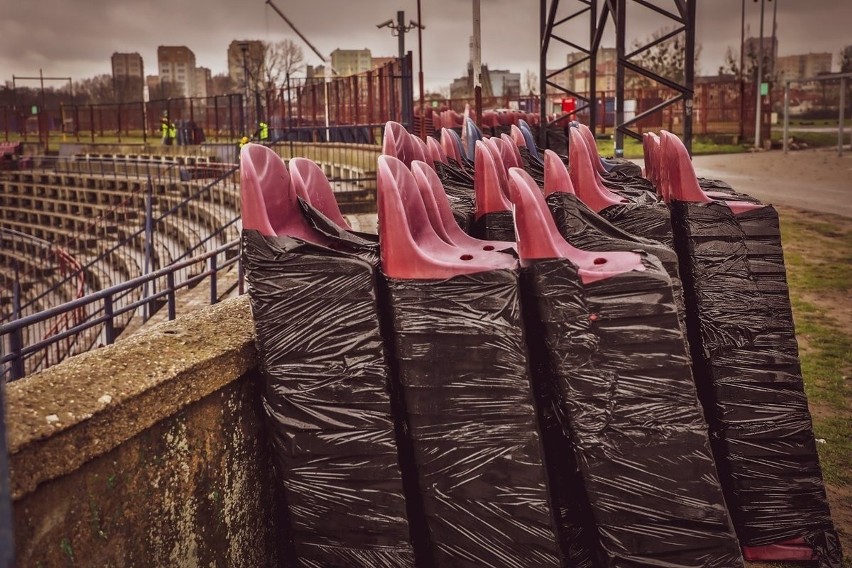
{"points": [[540, 361]]}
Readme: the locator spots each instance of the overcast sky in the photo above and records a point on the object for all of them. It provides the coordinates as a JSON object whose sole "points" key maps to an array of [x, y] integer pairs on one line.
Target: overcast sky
{"points": [[77, 37]]}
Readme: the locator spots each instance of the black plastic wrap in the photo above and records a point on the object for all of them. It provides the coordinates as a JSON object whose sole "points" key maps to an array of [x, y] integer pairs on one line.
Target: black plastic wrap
{"points": [[623, 167], [327, 401], [586, 230], [532, 166], [644, 217], [462, 365], [749, 378], [720, 186], [495, 226], [633, 185], [458, 185], [617, 357]]}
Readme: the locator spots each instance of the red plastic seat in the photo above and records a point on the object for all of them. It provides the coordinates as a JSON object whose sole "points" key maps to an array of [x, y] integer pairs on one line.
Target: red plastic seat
{"points": [[518, 137], [510, 146], [651, 151], [795, 550], [311, 185], [587, 182], [440, 212], [490, 185], [269, 201], [556, 176], [398, 143], [436, 151], [449, 145], [410, 247], [680, 181], [538, 237], [589, 139]]}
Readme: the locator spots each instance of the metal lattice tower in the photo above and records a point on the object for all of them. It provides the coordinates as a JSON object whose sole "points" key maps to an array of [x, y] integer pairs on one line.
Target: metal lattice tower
{"points": [[681, 13]]}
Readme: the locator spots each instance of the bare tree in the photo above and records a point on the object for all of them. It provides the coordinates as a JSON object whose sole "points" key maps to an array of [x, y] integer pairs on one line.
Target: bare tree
{"points": [[731, 65], [530, 82], [666, 59], [281, 59]]}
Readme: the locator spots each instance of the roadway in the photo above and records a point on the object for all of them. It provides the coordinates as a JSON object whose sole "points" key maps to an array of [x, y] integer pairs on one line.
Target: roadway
{"points": [[813, 180]]}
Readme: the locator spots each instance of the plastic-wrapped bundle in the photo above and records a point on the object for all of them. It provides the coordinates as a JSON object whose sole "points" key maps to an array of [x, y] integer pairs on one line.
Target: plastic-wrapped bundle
{"points": [[749, 376], [586, 230], [461, 363], [748, 373], [326, 379], [617, 355]]}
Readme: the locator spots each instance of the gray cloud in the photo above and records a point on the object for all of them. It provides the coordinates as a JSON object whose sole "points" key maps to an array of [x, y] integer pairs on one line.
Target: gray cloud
{"points": [[77, 37]]}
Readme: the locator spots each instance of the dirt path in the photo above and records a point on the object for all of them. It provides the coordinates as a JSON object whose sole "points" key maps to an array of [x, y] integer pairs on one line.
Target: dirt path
{"points": [[812, 180]]}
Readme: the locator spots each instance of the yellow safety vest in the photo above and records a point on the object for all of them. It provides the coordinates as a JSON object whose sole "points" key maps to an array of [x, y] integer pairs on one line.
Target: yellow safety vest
{"points": [[264, 131], [172, 131]]}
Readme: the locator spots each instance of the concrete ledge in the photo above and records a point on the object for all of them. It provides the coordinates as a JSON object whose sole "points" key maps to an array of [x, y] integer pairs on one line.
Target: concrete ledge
{"points": [[63, 417]]}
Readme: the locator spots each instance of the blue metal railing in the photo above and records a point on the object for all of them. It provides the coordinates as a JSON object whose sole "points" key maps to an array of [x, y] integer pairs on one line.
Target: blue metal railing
{"points": [[107, 309]]}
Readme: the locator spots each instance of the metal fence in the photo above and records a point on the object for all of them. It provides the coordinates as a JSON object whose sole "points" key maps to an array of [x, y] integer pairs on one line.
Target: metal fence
{"points": [[372, 97]]}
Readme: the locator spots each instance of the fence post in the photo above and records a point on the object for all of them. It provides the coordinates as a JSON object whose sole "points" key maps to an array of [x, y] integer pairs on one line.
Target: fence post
{"points": [[109, 326], [7, 540], [144, 123], [149, 242], [92, 122], [16, 340], [170, 283], [213, 291]]}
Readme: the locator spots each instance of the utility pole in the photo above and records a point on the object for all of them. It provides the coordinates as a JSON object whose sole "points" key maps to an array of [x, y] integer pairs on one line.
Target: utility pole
{"points": [[399, 29], [758, 84], [477, 62], [420, 71]]}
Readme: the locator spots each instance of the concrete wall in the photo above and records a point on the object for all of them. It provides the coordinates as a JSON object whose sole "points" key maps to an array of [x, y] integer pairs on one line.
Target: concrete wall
{"points": [[149, 452]]}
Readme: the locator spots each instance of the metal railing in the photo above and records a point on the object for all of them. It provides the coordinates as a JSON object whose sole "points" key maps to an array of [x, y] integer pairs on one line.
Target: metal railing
{"points": [[134, 224], [99, 315]]}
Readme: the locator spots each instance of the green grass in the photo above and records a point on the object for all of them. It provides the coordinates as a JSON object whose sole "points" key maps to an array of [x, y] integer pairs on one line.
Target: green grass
{"points": [[633, 148], [818, 256], [813, 139]]}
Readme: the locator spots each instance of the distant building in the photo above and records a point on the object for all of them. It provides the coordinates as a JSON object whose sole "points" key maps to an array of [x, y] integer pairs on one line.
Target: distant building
{"points": [[176, 65], [351, 61], [795, 67], [203, 79], [246, 55], [127, 65], [576, 78], [504, 83], [128, 76]]}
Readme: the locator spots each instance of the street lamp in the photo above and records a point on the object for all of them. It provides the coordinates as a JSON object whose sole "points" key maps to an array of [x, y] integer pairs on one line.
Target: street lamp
{"points": [[399, 29]]}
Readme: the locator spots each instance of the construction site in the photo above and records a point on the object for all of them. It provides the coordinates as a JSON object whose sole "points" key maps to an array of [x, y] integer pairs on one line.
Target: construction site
{"points": [[593, 316]]}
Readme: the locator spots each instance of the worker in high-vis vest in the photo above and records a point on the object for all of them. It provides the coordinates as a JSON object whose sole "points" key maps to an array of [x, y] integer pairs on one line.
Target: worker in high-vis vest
{"points": [[164, 130], [264, 131], [172, 133]]}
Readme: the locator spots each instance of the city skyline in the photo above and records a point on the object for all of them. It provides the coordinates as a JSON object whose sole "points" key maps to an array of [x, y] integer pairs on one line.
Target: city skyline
{"points": [[86, 44]]}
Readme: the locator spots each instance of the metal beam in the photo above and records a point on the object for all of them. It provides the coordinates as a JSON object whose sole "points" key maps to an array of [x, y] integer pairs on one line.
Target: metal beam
{"points": [[685, 88], [549, 21]]}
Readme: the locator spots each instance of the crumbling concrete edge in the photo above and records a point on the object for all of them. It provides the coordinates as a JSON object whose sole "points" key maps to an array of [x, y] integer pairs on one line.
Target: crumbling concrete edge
{"points": [[69, 414]]}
